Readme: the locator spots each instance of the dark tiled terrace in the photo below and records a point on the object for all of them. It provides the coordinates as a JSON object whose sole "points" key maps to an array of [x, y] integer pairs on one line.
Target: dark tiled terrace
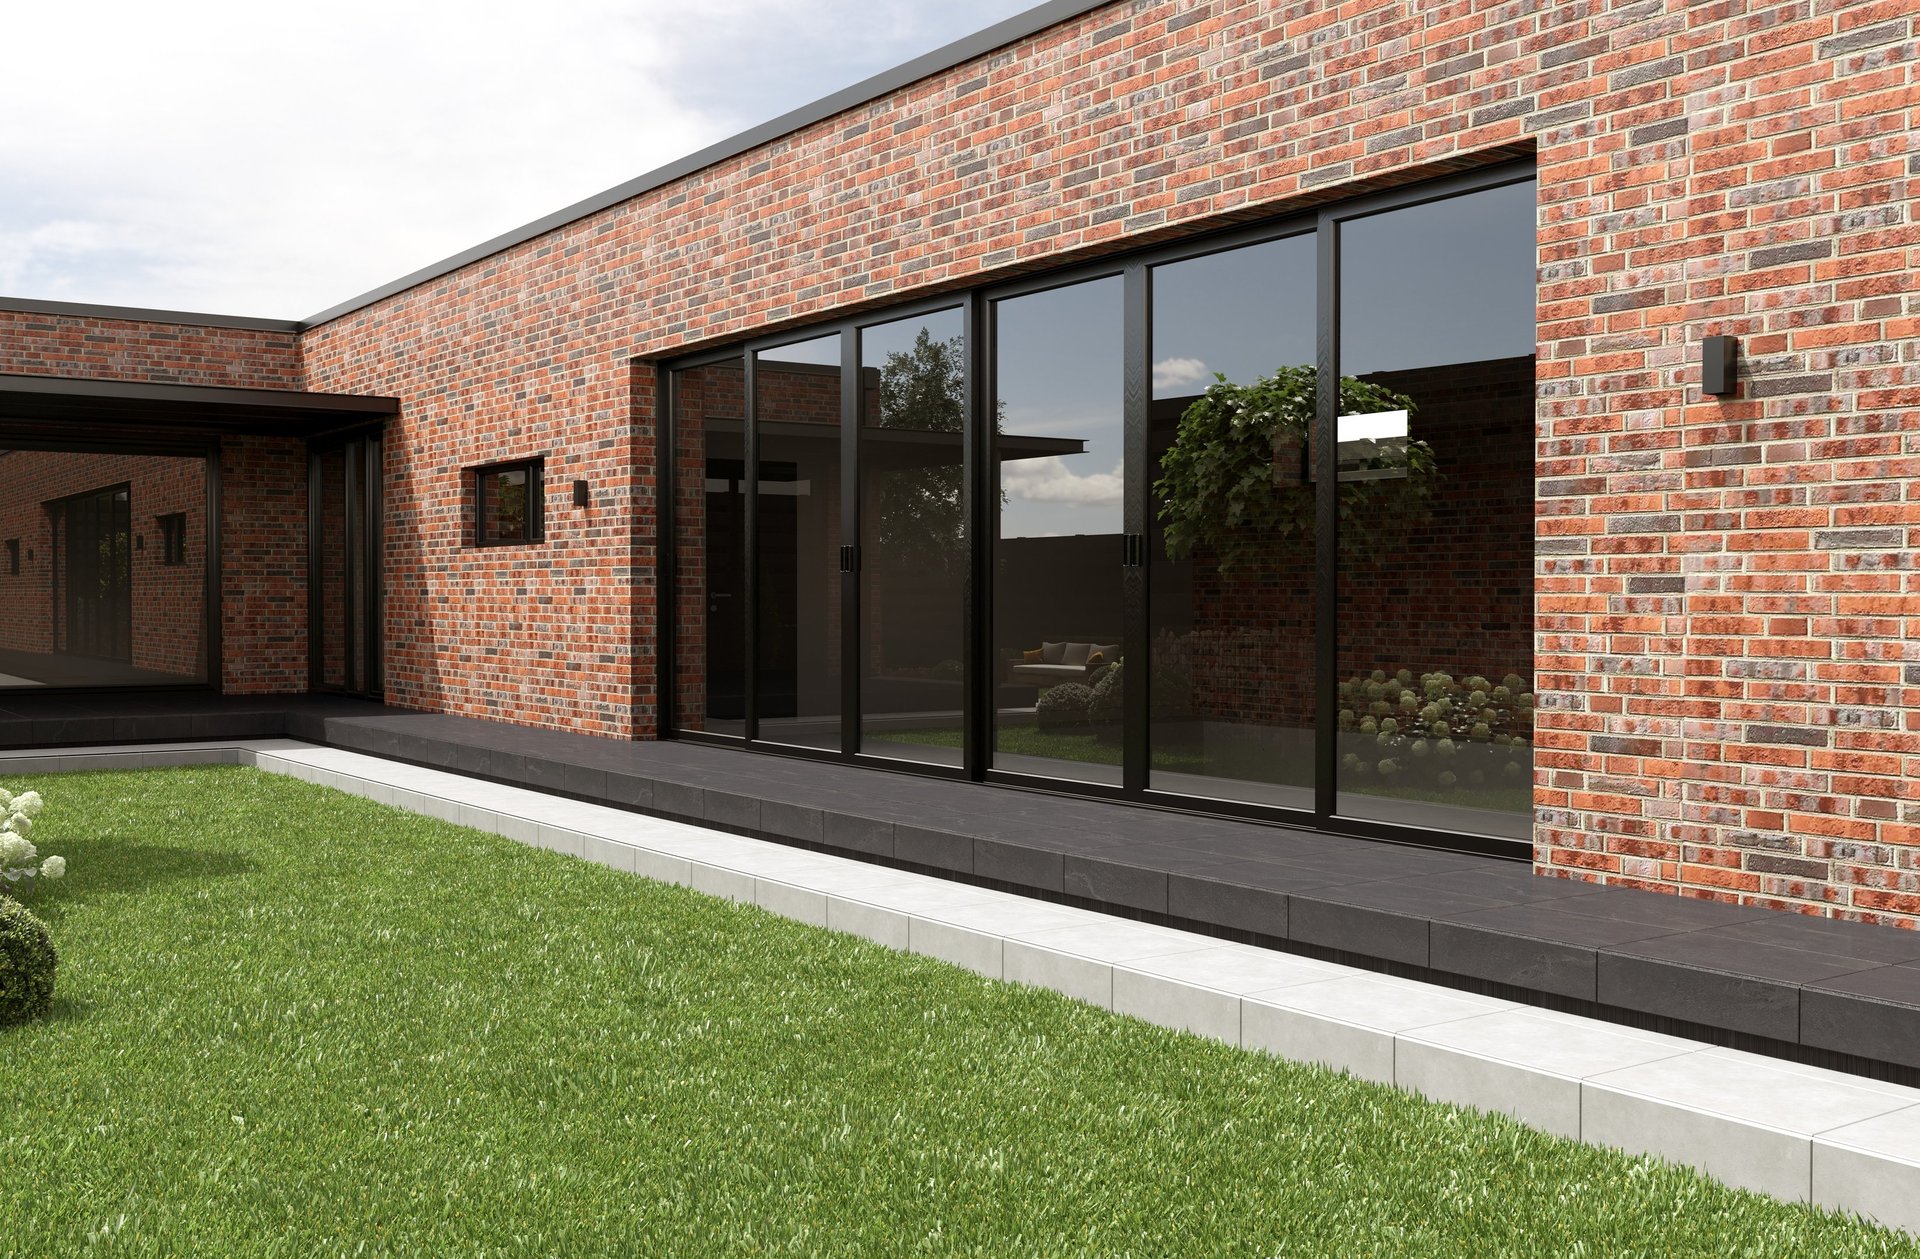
{"points": [[1837, 993]]}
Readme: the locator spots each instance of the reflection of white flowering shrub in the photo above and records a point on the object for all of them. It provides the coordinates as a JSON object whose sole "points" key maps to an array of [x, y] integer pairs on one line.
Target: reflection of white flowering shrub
{"points": [[1449, 731], [20, 860]]}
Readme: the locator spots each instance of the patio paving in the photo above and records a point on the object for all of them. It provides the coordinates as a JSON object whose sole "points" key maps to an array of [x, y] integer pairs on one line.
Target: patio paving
{"points": [[1835, 994]]}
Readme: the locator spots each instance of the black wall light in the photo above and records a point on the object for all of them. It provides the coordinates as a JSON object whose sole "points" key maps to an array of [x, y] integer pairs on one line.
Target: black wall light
{"points": [[1719, 359], [579, 493]]}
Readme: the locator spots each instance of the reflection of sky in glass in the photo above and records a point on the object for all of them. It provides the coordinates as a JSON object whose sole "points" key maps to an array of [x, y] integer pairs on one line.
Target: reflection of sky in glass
{"points": [[1058, 356], [1244, 313], [880, 341], [822, 350], [1446, 282]]}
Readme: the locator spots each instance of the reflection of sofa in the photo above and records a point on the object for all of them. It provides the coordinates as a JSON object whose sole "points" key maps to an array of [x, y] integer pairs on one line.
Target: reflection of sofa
{"points": [[1062, 662]]}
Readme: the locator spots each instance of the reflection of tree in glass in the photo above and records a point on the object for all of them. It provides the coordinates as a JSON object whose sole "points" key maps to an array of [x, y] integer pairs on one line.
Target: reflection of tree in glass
{"points": [[923, 389], [510, 505]]}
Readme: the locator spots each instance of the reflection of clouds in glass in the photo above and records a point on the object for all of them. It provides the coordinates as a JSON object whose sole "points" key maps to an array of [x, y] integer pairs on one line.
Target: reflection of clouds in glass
{"points": [[1050, 480], [1171, 373], [1065, 419]]}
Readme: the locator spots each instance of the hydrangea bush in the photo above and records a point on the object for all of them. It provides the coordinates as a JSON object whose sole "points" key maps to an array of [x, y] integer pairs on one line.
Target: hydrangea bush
{"points": [[20, 860], [28, 963], [1436, 730]]}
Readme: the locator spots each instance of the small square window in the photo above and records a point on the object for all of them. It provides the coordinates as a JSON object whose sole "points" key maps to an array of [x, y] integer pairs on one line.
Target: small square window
{"points": [[508, 503], [173, 537]]}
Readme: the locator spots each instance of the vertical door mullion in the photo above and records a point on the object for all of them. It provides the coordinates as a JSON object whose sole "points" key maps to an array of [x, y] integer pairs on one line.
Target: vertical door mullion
{"points": [[1326, 459], [1136, 407], [666, 551], [316, 634], [750, 526], [852, 630], [349, 568], [982, 495], [373, 448]]}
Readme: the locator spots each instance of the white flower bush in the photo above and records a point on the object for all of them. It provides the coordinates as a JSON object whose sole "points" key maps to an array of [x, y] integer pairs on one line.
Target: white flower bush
{"points": [[19, 858]]}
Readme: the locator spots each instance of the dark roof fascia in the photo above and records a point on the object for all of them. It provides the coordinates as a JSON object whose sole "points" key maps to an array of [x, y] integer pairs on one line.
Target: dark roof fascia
{"points": [[212, 397], [141, 314], [1000, 34]]}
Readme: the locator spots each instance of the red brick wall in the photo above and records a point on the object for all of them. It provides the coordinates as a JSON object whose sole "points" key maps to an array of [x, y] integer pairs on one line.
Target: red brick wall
{"points": [[263, 572], [156, 353], [168, 601], [1723, 586]]}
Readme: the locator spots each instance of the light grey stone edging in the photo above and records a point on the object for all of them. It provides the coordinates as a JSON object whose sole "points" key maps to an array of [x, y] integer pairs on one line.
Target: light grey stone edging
{"points": [[1796, 1132]]}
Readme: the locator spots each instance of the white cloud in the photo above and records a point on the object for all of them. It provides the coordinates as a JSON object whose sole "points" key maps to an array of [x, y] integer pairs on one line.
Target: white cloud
{"points": [[1170, 373], [1049, 480], [265, 159]]}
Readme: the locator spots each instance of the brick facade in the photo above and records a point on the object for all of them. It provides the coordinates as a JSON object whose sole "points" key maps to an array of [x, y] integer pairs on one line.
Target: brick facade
{"points": [[103, 348], [1725, 603]]}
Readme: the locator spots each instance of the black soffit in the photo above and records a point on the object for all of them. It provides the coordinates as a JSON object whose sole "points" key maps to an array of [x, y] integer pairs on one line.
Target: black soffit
{"points": [[54, 407]]}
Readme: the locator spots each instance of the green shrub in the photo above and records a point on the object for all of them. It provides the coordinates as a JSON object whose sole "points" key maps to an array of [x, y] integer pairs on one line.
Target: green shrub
{"points": [[27, 963], [1063, 706]]}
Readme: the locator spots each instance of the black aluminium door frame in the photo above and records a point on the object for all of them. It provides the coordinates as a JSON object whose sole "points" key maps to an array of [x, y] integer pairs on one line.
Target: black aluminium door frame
{"points": [[363, 475], [982, 487], [850, 524]]}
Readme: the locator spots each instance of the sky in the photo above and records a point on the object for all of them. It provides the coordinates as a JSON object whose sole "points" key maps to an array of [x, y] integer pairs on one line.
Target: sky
{"points": [[272, 159]]}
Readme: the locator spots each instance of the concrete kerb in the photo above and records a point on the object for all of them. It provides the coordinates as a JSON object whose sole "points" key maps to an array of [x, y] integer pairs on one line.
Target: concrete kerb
{"points": [[1796, 1132]]}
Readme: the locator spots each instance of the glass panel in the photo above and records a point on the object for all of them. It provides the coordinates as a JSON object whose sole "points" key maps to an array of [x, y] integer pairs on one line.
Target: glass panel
{"points": [[95, 601], [797, 411], [1232, 619], [710, 548], [505, 504], [1436, 514], [1058, 450], [331, 523], [914, 545]]}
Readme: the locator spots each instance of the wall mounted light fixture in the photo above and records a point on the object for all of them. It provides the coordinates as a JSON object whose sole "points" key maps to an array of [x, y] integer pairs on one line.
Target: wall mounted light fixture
{"points": [[1719, 365], [579, 493]]}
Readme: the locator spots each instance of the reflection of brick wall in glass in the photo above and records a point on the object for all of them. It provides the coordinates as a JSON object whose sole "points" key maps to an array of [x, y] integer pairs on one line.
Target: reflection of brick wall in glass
{"points": [[165, 597]]}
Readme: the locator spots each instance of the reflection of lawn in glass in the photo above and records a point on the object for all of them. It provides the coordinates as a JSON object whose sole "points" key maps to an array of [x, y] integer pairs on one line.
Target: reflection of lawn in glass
{"points": [[1248, 762]]}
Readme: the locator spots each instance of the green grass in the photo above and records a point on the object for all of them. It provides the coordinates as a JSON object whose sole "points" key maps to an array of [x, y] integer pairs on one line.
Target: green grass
{"points": [[291, 1022]]}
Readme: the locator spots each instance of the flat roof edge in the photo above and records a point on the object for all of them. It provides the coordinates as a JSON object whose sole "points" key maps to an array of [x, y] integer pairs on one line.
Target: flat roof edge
{"points": [[1000, 34], [13, 383], [142, 314]]}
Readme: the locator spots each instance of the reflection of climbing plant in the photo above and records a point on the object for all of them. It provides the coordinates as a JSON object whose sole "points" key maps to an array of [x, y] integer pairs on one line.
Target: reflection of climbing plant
{"points": [[1229, 483]]}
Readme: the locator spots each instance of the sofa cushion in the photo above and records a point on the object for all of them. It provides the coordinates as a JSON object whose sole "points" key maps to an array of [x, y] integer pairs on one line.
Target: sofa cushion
{"points": [[1048, 672], [1031, 657], [1052, 653], [1110, 650], [1076, 653]]}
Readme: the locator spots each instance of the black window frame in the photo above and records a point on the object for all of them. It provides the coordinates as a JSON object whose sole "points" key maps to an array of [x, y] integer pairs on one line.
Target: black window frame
{"points": [[173, 538], [536, 531]]}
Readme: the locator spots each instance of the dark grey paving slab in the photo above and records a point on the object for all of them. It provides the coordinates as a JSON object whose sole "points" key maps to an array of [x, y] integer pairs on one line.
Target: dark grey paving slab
{"points": [[1875, 1013], [1863, 941], [1734, 984], [1531, 946]]}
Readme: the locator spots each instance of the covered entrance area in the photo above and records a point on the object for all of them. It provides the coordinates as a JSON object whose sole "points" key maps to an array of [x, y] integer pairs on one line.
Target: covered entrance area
{"points": [[155, 536]]}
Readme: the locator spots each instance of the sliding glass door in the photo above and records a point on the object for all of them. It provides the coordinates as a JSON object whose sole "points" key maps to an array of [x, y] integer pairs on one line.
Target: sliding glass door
{"points": [[1060, 538], [1243, 524]]}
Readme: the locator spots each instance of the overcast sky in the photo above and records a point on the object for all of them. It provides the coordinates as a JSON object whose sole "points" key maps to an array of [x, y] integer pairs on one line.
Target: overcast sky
{"points": [[273, 159]]}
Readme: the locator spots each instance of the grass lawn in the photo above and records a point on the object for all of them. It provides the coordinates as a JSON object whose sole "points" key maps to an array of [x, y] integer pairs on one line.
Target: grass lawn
{"points": [[292, 1022]]}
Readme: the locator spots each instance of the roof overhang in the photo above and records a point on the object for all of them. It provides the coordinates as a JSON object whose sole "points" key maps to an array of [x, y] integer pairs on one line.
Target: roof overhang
{"points": [[57, 409]]}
